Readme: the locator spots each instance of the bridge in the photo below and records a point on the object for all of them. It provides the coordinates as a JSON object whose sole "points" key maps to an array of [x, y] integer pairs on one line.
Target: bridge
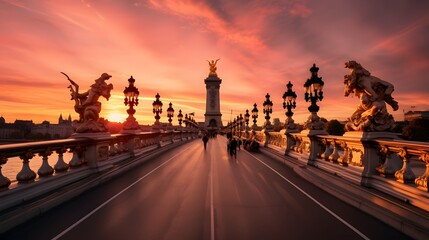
{"points": [[164, 185]]}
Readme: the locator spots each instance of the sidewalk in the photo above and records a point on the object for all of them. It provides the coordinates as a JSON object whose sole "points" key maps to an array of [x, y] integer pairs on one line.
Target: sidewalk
{"points": [[394, 212]]}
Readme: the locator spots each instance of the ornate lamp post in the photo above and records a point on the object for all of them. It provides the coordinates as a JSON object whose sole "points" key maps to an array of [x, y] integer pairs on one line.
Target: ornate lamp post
{"points": [[268, 108], [289, 103], [131, 99], [254, 116], [186, 120], [157, 109], [241, 124], [170, 114], [246, 119], [237, 125], [313, 89], [313, 93], [180, 117], [234, 126]]}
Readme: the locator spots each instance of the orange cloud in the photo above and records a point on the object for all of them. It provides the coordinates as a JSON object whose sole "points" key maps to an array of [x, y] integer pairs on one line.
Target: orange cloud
{"points": [[165, 45]]}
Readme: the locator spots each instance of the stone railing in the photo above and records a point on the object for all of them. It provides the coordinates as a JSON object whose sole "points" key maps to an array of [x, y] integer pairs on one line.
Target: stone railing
{"points": [[38, 168], [377, 160]]}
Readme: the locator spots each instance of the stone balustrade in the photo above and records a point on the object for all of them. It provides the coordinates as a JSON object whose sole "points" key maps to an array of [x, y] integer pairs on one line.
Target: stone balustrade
{"points": [[88, 156], [378, 160]]}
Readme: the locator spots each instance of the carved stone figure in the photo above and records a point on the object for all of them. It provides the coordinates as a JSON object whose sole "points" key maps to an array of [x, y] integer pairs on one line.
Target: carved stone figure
{"points": [[371, 113], [213, 67], [87, 105]]}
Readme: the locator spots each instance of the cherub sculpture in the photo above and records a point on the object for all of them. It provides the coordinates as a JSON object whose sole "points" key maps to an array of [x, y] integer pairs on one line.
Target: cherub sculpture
{"points": [[87, 105], [213, 67], [371, 114]]}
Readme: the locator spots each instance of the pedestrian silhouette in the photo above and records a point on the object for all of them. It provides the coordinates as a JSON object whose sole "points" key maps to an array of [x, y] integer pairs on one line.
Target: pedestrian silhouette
{"points": [[205, 140], [233, 147]]}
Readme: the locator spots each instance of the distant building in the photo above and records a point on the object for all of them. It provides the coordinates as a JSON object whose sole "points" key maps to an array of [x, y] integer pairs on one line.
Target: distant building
{"points": [[22, 128], [15, 130], [412, 115]]}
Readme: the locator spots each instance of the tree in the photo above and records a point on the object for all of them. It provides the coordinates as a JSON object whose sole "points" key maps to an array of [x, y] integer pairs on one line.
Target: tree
{"points": [[417, 130], [334, 127]]}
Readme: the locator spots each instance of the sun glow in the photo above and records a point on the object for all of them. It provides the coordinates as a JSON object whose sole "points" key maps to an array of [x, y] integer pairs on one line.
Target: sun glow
{"points": [[116, 117]]}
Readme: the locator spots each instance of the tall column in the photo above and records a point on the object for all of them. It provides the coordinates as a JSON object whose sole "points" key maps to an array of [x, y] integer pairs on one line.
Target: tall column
{"points": [[213, 117]]}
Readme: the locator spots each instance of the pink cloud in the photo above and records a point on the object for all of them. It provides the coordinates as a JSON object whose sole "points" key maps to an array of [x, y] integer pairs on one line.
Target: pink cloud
{"points": [[204, 17], [165, 45], [300, 9]]}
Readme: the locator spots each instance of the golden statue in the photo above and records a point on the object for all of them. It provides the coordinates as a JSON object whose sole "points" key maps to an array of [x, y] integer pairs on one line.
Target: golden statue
{"points": [[213, 68]]}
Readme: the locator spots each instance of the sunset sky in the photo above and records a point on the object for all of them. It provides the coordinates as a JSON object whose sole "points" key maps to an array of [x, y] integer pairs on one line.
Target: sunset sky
{"points": [[164, 45]]}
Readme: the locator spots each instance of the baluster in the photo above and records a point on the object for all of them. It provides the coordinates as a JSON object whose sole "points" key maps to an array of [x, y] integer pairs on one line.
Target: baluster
{"points": [[289, 143], [4, 181], [328, 151], [283, 142], [335, 155], [61, 165], [113, 149], [77, 158], [422, 181], [344, 160], [26, 174], [45, 169], [405, 174], [297, 143], [120, 147], [124, 146], [137, 143], [301, 147], [392, 163]]}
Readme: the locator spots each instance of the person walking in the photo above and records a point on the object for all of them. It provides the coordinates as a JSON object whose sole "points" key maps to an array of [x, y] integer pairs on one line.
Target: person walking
{"points": [[205, 140], [233, 147]]}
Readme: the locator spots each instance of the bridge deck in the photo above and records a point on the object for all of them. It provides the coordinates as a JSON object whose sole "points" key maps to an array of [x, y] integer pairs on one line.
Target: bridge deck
{"points": [[192, 193]]}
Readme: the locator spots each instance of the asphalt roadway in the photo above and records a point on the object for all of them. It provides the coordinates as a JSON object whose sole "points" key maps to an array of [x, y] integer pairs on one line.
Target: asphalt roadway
{"points": [[192, 193]]}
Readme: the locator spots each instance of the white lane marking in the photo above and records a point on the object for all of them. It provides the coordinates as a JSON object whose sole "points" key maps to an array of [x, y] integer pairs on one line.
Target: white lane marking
{"points": [[112, 198], [313, 199], [211, 202]]}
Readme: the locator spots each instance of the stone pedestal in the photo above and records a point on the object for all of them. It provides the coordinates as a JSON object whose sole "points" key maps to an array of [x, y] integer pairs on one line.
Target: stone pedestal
{"points": [[289, 138], [314, 145], [132, 141], [95, 154], [156, 127], [131, 124], [266, 132], [370, 157]]}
